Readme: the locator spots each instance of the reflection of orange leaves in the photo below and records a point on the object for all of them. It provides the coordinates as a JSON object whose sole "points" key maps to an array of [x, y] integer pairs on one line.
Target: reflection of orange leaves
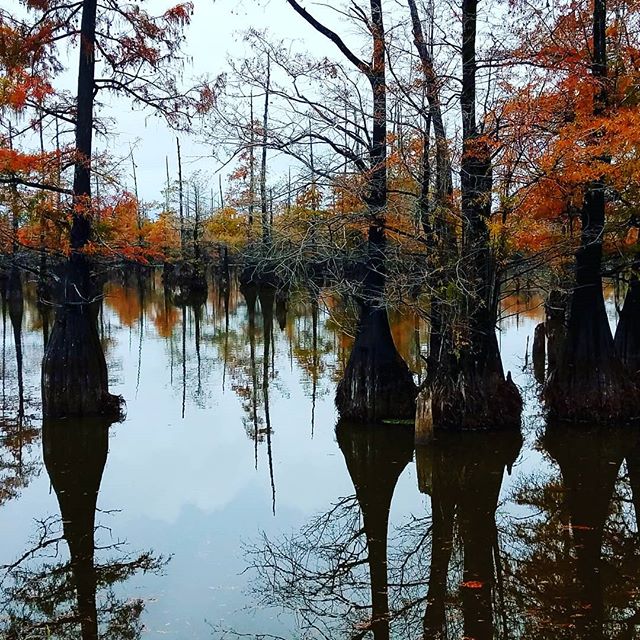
{"points": [[124, 302], [472, 584], [164, 319]]}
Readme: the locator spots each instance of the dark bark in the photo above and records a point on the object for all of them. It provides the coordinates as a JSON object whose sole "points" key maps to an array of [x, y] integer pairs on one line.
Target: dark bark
{"points": [[539, 352], [377, 384], [264, 216], [471, 391], [375, 457], [434, 211], [74, 370], [555, 326], [282, 305], [590, 383], [365, 379], [627, 338], [75, 459], [81, 226]]}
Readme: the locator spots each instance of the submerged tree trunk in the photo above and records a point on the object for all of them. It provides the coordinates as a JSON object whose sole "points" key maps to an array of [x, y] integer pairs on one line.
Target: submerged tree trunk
{"points": [[555, 327], [627, 338], [74, 370], [472, 392], [375, 372], [590, 383], [377, 384], [538, 353]]}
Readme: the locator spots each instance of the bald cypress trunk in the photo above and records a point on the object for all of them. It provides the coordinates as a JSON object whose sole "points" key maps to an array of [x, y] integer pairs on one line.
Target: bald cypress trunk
{"points": [[471, 392], [74, 370], [627, 337], [377, 383], [590, 383]]}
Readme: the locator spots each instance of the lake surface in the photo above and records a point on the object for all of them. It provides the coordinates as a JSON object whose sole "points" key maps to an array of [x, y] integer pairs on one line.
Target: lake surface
{"points": [[229, 503]]}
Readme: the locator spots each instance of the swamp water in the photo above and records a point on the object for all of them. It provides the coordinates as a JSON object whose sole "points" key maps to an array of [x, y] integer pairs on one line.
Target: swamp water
{"points": [[230, 504]]}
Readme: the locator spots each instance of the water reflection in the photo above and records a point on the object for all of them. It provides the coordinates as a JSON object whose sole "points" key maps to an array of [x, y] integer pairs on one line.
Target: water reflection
{"points": [[576, 573], [463, 474], [375, 456], [46, 596], [476, 567], [476, 535]]}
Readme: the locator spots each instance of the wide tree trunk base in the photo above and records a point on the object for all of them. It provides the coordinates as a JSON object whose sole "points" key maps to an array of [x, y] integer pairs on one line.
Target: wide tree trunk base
{"points": [[377, 384], [75, 380], [74, 372], [602, 397], [468, 403], [591, 383]]}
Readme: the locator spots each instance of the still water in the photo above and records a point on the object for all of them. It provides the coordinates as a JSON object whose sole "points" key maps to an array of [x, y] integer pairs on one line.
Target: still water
{"points": [[230, 503]]}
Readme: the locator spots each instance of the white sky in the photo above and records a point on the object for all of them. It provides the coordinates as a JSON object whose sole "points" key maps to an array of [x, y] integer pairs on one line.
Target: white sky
{"points": [[215, 33]]}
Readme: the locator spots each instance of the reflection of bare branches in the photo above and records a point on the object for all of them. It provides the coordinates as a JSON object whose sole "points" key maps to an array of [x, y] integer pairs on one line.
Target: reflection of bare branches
{"points": [[320, 572], [39, 592]]}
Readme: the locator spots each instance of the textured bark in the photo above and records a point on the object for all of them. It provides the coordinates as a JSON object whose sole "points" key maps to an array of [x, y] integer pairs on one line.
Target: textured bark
{"points": [[375, 457], [75, 457], [365, 379], [478, 397], [469, 390], [377, 384], [74, 370], [590, 383], [81, 225], [539, 352], [555, 326]]}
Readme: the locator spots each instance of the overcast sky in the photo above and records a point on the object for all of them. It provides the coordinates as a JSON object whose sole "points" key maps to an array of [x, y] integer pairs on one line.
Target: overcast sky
{"points": [[215, 33]]}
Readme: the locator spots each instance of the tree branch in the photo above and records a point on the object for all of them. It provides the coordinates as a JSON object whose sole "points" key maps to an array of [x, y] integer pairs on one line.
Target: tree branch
{"points": [[331, 35]]}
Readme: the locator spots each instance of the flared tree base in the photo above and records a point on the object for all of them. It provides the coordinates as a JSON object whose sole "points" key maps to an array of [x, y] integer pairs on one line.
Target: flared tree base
{"points": [[468, 403], [377, 384], [597, 396], [591, 383], [74, 371]]}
